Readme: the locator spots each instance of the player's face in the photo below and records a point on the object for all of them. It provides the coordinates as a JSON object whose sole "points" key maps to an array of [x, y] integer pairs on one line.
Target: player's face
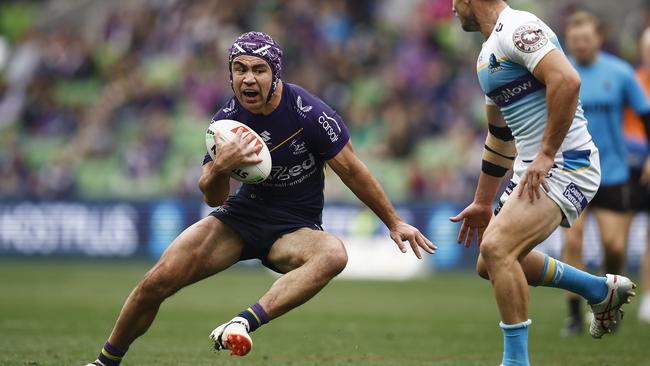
{"points": [[251, 81], [583, 42], [464, 13]]}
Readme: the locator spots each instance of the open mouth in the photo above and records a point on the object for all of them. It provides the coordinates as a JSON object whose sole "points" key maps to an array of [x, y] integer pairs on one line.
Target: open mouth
{"points": [[250, 93]]}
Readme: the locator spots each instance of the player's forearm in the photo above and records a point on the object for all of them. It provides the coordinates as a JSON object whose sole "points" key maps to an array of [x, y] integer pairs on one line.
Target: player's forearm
{"points": [[215, 187], [370, 192], [561, 103], [499, 154], [487, 189]]}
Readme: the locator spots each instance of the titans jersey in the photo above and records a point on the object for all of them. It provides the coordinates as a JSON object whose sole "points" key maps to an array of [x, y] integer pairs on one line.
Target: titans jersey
{"points": [[634, 130], [608, 85], [302, 133], [505, 67]]}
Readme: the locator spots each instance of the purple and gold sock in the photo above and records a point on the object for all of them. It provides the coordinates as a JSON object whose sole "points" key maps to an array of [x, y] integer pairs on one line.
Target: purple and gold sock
{"points": [[256, 316], [111, 356]]}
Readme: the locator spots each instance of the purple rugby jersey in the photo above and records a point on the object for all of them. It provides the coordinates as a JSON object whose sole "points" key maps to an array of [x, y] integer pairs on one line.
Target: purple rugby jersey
{"points": [[302, 133]]}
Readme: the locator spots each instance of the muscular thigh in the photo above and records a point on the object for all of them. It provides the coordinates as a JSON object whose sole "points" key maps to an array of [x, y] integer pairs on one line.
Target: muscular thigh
{"points": [[203, 249], [521, 225], [294, 249]]}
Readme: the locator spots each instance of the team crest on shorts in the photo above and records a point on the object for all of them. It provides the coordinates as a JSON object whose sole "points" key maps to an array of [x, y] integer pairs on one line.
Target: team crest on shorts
{"points": [[576, 197], [529, 38]]}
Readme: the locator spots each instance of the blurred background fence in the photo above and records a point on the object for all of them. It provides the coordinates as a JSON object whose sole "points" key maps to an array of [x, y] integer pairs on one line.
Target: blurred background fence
{"points": [[103, 105]]}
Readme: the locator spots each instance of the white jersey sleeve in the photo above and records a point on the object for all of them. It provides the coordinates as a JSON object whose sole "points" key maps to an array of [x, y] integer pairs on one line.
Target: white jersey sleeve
{"points": [[527, 42]]}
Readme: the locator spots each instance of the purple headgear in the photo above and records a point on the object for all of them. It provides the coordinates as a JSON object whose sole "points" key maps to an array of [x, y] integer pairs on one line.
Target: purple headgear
{"points": [[260, 45]]}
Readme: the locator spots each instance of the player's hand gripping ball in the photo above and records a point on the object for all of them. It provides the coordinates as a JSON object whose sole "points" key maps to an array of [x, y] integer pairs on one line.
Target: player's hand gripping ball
{"points": [[227, 130]]}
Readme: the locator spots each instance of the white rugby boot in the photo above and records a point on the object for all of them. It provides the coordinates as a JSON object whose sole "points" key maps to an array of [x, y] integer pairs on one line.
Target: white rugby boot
{"points": [[233, 336], [96, 363], [644, 309], [606, 314]]}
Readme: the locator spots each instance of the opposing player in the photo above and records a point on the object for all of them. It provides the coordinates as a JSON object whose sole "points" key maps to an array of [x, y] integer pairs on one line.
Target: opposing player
{"points": [[608, 85], [277, 221], [634, 130], [535, 123]]}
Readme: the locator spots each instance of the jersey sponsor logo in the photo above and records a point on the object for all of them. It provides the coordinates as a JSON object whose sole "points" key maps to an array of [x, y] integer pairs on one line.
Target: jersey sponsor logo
{"points": [[298, 147], [327, 123], [576, 197], [494, 65], [515, 90], [284, 173], [529, 38]]}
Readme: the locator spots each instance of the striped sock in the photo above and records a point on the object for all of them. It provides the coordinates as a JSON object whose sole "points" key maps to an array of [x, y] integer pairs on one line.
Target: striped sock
{"points": [[110, 356], [561, 275], [256, 316]]}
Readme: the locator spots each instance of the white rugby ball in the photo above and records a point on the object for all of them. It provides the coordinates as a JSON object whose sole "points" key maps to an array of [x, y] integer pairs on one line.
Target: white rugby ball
{"points": [[247, 173]]}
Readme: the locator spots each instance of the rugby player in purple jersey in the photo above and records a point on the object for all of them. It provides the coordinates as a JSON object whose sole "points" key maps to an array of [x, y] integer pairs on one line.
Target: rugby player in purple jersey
{"points": [[278, 220]]}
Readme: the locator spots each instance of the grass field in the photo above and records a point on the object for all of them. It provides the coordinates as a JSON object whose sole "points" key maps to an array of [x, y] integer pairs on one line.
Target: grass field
{"points": [[60, 313]]}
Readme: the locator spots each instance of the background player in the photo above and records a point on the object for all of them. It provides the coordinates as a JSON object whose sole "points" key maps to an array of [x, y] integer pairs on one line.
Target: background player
{"points": [[634, 130], [277, 221], [608, 84], [522, 70]]}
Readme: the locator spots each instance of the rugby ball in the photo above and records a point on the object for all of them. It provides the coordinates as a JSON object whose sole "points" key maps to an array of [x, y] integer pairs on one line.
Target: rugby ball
{"points": [[247, 173]]}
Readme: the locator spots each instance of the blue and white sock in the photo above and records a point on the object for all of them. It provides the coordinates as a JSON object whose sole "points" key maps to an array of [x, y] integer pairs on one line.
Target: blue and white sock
{"points": [[561, 275], [515, 344]]}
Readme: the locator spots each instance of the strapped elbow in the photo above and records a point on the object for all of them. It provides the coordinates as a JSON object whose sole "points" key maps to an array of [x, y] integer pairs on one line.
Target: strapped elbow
{"points": [[499, 152]]}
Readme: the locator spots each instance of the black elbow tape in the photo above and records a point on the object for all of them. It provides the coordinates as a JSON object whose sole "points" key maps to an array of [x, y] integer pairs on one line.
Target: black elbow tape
{"points": [[502, 133], [493, 169]]}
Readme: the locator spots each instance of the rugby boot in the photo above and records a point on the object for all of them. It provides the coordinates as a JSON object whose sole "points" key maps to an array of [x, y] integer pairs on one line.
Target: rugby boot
{"points": [[233, 336], [606, 314]]}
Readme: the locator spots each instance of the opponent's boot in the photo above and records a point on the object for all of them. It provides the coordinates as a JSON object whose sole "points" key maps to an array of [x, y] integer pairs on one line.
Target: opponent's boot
{"points": [[233, 336], [606, 314]]}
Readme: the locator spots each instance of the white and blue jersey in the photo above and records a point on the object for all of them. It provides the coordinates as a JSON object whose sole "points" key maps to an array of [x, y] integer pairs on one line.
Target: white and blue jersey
{"points": [[505, 67], [608, 85]]}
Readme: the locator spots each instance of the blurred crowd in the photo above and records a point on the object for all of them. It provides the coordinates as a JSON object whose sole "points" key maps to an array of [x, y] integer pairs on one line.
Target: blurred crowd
{"points": [[110, 100]]}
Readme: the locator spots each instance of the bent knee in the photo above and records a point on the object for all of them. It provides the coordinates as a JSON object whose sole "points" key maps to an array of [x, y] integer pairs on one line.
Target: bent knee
{"points": [[481, 269], [334, 257], [494, 252]]}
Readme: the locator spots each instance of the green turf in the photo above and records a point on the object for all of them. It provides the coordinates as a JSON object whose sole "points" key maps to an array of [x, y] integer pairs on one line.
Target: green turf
{"points": [[60, 313]]}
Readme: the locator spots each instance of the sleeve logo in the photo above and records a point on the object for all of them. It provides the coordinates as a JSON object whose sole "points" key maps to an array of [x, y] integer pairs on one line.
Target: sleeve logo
{"points": [[327, 123], [529, 38]]}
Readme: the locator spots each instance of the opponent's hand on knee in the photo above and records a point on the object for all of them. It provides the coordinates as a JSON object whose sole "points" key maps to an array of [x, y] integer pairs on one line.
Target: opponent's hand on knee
{"points": [[404, 232]]}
